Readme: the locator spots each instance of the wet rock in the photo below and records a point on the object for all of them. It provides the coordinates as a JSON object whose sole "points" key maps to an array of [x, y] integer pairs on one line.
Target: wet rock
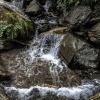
{"points": [[69, 46], [38, 72], [78, 54], [77, 17], [71, 78], [86, 57], [94, 34], [3, 95], [34, 8]]}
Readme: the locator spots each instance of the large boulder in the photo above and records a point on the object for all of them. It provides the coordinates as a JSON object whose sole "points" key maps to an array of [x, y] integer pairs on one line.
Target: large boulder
{"points": [[34, 8], [77, 17], [13, 22], [27, 72], [69, 46], [78, 54]]}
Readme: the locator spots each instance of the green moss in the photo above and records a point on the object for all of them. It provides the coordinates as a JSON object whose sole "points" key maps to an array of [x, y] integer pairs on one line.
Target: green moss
{"points": [[12, 25]]}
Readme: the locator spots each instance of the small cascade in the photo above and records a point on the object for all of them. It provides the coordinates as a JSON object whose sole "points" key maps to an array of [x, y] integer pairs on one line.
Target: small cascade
{"points": [[18, 3], [47, 44], [46, 47], [32, 67], [43, 48]]}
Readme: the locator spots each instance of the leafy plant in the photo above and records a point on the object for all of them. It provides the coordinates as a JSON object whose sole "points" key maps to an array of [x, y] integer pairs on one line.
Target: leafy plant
{"points": [[12, 25]]}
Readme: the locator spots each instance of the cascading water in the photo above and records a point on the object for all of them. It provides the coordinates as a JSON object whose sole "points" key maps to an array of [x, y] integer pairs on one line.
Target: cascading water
{"points": [[18, 3], [42, 53], [44, 47]]}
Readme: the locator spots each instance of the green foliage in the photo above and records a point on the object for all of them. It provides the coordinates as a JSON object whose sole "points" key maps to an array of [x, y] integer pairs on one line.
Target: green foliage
{"points": [[66, 5], [13, 26], [8, 30], [19, 24]]}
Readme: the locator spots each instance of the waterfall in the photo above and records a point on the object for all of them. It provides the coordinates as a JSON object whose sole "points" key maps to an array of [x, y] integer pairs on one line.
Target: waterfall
{"points": [[44, 47], [42, 53], [47, 44], [18, 3], [47, 49]]}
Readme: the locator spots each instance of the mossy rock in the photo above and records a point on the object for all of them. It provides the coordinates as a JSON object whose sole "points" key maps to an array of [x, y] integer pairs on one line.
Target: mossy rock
{"points": [[12, 25]]}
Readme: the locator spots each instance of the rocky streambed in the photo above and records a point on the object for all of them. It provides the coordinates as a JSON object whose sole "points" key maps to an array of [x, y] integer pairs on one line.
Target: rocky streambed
{"points": [[58, 60]]}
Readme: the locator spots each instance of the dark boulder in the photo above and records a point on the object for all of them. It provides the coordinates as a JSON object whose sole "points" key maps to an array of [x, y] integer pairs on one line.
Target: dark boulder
{"points": [[69, 46], [78, 54], [77, 17]]}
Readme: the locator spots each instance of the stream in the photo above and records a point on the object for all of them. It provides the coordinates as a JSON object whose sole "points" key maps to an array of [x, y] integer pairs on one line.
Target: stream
{"points": [[43, 52]]}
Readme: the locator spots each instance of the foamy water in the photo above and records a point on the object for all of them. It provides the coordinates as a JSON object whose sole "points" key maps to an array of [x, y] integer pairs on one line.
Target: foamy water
{"points": [[75, 93]]}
